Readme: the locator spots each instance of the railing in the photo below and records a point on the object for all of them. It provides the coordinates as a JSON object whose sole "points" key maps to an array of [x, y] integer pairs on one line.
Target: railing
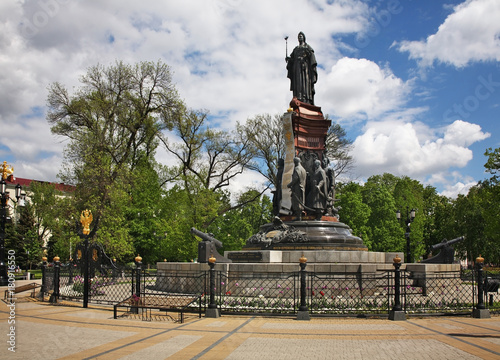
{"points": [[257, 293], [326, 293], [109, 285], [437, 293], [348, 293]]}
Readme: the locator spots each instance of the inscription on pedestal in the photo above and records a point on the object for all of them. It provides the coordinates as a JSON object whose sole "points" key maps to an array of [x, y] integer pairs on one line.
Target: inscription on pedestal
{"points": [[245, 257]]}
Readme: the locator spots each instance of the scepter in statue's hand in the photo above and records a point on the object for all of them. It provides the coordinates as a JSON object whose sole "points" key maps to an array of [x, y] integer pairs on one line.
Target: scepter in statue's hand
{"points": [[286, 49]]}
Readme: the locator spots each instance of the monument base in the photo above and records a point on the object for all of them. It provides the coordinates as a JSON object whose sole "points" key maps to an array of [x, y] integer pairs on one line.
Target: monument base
{"points": [[315, 253], [325, 234], [274, 263], [422, 275]]}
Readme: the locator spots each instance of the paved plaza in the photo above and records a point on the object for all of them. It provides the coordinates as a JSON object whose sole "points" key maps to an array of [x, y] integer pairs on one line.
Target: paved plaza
{"points": [[68, 331]]}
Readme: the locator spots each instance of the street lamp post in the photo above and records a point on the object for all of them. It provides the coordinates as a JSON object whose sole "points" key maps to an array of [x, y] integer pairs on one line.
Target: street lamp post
{"points": [[86, 219], [5, 171], [4, 281], [410, 216]]}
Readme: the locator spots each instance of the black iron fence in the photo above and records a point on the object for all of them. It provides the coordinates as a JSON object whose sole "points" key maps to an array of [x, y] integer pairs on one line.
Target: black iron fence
{"points": [[257, 293], [491, 287], [349, 293], [109, 285], [254, 293], [437, 293]]}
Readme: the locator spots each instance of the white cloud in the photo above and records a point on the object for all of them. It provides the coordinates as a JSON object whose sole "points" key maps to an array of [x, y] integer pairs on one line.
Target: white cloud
{"points": [[228, 57], [45, 169], [464, 134], [213, 46], [470, 34], [453, 183], [223, 58], [38, 153], [459, 188], [245, 181], [359, 88], [406, 149]]}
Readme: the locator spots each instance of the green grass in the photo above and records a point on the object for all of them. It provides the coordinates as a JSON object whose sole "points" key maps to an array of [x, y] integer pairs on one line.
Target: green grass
{"points": [[37, 274]]}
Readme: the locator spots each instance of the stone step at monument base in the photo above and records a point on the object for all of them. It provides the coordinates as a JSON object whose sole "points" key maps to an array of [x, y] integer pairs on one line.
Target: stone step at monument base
{"points": [[320, 253]]}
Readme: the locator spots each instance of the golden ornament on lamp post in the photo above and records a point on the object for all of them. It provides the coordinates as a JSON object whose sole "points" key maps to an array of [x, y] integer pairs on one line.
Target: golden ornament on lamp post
{"points": [[86, 219], [6, 171]]}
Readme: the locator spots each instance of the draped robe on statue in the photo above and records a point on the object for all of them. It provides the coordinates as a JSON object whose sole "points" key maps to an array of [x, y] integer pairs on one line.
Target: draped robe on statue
{"points": [[302, 73]]}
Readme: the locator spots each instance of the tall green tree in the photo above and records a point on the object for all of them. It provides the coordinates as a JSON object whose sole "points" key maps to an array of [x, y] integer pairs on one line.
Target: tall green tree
{"points": [[207, 162], [353, 211], [266, 142], [179, 215], [439, 223], [41, 223], [384, 233], [145, 213], [113, 119], [266, 137], [44, 209], [22, 237], [475, 215], [470, 222], [235, 227], [408, 195], [491, 200], [338, 148]]}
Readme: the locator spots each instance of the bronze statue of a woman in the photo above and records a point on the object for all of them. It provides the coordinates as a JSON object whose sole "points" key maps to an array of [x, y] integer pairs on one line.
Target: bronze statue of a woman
{"points": [[301, 66]]}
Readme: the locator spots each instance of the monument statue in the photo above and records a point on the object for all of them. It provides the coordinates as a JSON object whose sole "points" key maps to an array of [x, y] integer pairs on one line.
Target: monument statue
{"points": [[301, 66], [319, 190], [277, 195], [304, 199], [298, 188], [331, 210]]}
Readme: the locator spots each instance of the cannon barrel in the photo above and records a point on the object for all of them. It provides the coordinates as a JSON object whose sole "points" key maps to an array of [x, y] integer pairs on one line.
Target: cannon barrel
{"points": [[447, 243], [206, 237], [491, 285]]}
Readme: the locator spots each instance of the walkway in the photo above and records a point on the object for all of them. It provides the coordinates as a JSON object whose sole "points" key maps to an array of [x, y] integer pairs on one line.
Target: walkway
{"points": [[45, 331]]}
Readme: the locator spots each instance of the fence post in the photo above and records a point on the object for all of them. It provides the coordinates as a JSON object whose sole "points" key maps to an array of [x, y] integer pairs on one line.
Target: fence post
{"points": [[44, 280], [57, 268], [70, 280], [303, 313], [480, 311], [138, 263], [212, 310], [113, 271], [136, 291], [397, 312], [86, 277]]}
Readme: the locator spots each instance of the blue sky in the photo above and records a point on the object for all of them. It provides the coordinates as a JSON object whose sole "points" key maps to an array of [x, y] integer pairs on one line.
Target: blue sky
{"points": [[416, 84]]}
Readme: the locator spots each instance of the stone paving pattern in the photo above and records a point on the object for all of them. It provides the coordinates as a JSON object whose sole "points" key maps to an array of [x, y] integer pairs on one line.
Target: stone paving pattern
{"points": [[46, 331]]}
